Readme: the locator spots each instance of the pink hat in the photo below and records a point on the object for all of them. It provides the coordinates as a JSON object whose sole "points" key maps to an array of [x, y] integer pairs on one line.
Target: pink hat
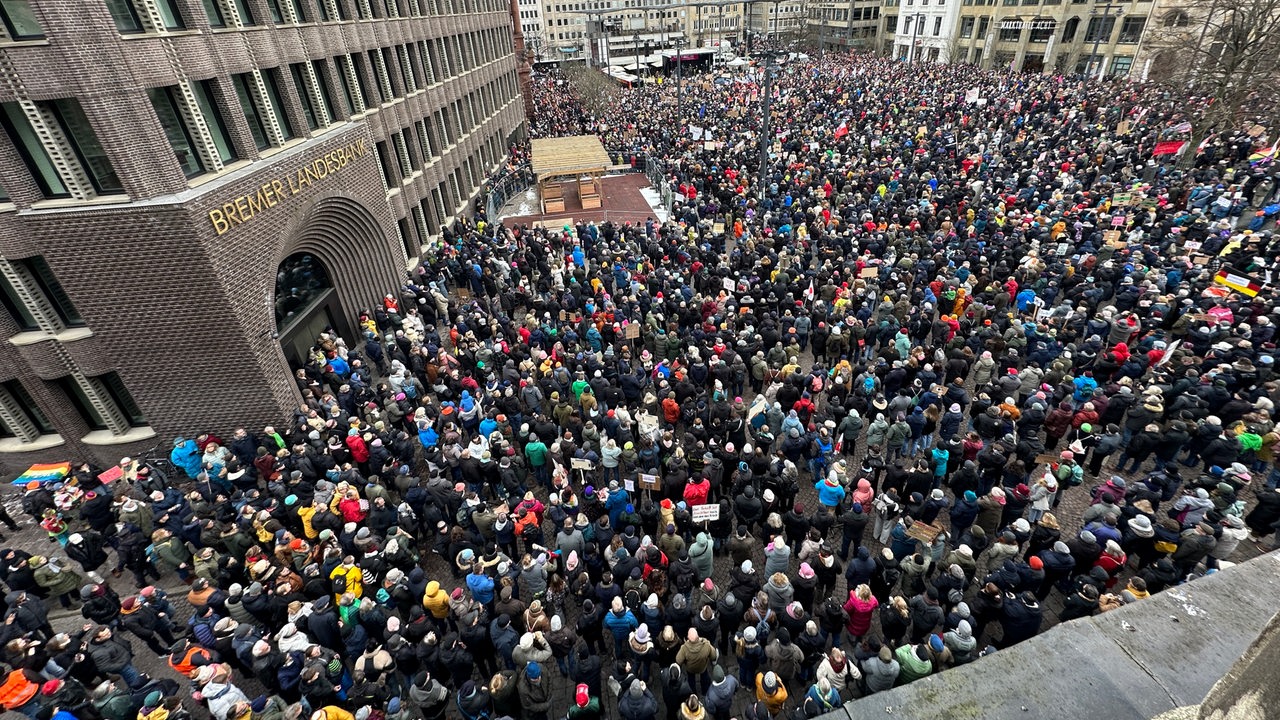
{"points": [[806, 571]]}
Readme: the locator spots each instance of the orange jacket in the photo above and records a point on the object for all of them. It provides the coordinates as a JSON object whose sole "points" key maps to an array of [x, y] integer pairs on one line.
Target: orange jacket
{"points": [[17, 690]]}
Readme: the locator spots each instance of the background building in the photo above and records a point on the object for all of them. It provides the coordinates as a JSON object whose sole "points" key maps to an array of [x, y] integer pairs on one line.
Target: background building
{"points": [[1056, 36], [925, 31], [844, 24], [192, 190]]}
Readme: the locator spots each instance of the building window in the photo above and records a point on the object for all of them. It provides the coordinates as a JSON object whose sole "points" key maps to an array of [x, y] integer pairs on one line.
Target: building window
{"points": [[19, 20], [367, 91], [19, 402], [1010, 30], [384, 160], [1131, 29], [16, 306], [109, 393], [175, 129], [1069, 30], [322, 10], [252, 113], [966, 27], [321, 90], [1042, 30], [128, 14], [1120, 65], [1100, 29], [213, 119], [350, 86], [300, 81], [277, 104], [76, 128], [937, 27], [32, 150], [216, 18], [301, 282], [36, 274]]}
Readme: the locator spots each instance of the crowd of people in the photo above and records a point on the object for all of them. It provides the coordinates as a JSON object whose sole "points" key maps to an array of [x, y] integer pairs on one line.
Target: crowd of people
{"points": [[959, 370]]}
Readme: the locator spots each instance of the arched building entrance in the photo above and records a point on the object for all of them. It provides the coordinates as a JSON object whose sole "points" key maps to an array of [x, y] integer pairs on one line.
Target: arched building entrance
{"points": [[337, 263]]}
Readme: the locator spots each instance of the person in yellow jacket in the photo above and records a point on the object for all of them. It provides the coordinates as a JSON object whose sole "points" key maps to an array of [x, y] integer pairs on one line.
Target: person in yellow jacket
{"points": [[352, 576], [771, 691], [436, 601], [332, 712], [306, 514]]}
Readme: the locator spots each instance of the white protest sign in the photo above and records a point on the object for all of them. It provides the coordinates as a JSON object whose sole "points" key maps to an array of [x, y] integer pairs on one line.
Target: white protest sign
{"points": [[706, 513]]}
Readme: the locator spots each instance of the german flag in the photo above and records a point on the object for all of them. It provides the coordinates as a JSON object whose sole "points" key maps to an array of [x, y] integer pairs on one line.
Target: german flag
{"points": [[1238, 281]]}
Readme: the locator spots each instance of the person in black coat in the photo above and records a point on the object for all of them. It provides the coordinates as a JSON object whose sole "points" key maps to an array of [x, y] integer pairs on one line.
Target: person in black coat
{"points": [[322, 624], [97, 510], [143, 621], [88, 549], [1021, 620]]}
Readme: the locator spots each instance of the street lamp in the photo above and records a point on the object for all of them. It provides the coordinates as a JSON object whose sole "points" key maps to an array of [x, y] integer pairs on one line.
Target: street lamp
{"points": [[917, 21], [769, 69], [679, 74], [636, 39], [1103, 12]]}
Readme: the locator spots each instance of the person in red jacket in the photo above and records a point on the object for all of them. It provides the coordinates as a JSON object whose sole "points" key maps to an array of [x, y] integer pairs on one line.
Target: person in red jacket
{"points": [[696, 492]]}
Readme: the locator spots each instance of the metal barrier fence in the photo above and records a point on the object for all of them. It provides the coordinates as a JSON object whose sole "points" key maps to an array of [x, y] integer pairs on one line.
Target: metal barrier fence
{"points": [[511, 183]]}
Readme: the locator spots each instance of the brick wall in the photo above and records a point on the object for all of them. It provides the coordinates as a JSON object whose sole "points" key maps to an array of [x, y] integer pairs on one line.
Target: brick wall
{"points": [[184, 315]]}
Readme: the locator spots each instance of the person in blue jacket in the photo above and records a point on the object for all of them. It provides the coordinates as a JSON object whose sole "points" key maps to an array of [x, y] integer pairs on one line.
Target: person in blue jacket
{"points": [[830, 492], [186, 456]]}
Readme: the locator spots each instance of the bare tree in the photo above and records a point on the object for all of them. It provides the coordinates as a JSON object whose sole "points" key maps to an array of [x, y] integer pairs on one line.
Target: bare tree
{"points": [[1226, 52], [595, 90]]}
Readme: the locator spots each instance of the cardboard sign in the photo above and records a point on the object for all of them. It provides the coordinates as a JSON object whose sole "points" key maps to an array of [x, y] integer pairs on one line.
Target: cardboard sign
{"points": [[924, 532], [1112, 239], [580, 464], [706, 513], [1256, 130], [1122, 128], [649, 482], [632, 331], [563, 316], [869, 272], [1046, 459], [718, 228]]}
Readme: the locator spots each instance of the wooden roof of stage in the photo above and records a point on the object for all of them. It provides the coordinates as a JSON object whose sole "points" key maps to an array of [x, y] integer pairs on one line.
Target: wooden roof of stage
{"points": [[575, 155]]}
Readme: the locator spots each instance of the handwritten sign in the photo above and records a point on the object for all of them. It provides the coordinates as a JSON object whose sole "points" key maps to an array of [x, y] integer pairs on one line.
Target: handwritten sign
{"points": [[1122, 199], [1112, 238], [581, 464], [629, 484], [649, 482], [924, 532], [869, 272], [632, 331], [705, 513]]}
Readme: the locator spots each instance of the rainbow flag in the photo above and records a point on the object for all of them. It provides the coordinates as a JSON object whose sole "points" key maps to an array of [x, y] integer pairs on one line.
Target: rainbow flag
{"points": [[49, 472]]}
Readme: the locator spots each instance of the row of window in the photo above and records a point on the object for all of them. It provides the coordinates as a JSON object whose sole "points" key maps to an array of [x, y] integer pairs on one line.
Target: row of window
{"points": [[138, 16], [35, 300], [102, 402], [439, 206], [1100, 29], [408, 150], [57, 142]]}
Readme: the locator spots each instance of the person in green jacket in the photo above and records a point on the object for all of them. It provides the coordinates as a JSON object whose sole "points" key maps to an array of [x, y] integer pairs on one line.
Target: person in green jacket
{"points": [[585, 707], [114, 702], [536, 452], [914, 663], [55, 579]]}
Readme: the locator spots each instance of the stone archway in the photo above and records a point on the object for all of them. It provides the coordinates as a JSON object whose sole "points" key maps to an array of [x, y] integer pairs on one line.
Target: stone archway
{"points": [[342, 240]]}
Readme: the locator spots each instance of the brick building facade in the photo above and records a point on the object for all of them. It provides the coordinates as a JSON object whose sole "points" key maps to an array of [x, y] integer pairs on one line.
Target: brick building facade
{"points": [[161, 159]]}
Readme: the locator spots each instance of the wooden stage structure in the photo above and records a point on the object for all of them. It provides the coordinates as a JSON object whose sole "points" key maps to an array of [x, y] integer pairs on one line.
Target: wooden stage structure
{"points": [[580, 160]]}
